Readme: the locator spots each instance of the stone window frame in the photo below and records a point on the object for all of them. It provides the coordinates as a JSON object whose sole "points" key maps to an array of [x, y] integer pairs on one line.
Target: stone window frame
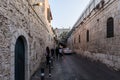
{"points": [[110, 27]]}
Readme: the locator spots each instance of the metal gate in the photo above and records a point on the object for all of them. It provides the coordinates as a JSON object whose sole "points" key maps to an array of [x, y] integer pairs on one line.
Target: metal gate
{"points": [[20, 59]]}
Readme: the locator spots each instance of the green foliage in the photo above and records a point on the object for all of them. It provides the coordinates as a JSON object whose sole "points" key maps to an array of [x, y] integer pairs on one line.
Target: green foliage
{"points": [[63, 35]]}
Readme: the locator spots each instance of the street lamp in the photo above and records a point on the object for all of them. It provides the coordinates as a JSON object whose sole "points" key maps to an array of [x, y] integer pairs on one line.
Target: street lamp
{"points": [[38, 4]]}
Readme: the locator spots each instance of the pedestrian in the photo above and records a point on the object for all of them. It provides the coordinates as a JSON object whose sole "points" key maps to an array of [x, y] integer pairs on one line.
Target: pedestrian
{"points": [[61, 52], [47, 55], [57, 52]]}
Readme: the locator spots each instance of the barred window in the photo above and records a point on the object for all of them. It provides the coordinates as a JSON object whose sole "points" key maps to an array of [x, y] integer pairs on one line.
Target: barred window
{"points": [[110, 27], [87, 36]]}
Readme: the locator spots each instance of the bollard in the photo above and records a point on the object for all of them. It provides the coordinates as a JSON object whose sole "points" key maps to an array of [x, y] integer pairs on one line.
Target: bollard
{"points": [[49, 68], [51, 62], [42, 74]]}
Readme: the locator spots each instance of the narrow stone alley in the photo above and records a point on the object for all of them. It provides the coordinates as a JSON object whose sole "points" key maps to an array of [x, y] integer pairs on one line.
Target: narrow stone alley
{"points": [[76, 67], [30, 33]]}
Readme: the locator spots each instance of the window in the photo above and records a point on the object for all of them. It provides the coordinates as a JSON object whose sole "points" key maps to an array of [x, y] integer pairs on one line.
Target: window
{"points": [[110, 27], [79, 38], [87, 36]]}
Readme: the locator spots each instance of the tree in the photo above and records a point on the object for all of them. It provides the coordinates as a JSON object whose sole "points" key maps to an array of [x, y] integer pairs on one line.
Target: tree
{"points": [[63, 36]]}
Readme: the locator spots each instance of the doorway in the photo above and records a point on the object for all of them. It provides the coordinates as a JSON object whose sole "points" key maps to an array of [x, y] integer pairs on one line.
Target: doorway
{"points": [[20, 59]]}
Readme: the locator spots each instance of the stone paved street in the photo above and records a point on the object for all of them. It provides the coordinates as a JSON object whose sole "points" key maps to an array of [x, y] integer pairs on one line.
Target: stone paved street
{"points": [[75, 67]]}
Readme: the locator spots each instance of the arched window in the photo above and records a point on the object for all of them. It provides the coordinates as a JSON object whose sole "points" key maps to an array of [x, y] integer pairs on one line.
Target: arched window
{"points": [[110, 27]]}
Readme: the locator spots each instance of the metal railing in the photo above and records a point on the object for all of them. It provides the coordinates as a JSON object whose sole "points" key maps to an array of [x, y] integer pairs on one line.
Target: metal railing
{"points": [[93, 5]]}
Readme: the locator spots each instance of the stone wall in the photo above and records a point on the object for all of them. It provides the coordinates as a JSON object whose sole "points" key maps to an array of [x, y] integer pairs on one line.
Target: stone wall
{"points": [[99, 46], [19, 18]]}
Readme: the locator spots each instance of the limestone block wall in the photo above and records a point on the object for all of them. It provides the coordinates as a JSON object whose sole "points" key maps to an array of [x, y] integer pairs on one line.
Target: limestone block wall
{"points": [[99, 47], [18, 18]]}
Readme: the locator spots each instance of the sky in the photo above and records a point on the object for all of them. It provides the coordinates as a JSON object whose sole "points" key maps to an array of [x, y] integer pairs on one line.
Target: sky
{"points": [[66, 12]]}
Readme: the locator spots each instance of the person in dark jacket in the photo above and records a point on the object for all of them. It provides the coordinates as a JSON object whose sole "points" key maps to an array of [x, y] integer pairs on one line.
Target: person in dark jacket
{"points": [[57, 52], [47, 55]]}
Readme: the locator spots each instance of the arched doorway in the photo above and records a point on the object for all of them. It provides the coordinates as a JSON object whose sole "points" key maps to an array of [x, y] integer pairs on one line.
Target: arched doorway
{"points": [[20, 59]]}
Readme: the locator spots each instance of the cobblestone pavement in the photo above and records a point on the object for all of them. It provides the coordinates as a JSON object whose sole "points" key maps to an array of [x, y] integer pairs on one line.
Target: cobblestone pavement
{"points": [[75, 67]]}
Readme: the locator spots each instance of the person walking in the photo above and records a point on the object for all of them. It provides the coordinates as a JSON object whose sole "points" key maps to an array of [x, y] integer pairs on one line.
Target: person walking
{"points": [[61, 52], [47, 55], [57, 52]]}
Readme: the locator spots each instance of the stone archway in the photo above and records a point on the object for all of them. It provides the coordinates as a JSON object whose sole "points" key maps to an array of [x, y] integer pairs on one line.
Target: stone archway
{"points": [[18, 37], [20, 59]]}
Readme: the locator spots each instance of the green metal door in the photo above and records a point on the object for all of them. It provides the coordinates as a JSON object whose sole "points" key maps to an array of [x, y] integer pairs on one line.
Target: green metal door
{"points": [[20, 59]]}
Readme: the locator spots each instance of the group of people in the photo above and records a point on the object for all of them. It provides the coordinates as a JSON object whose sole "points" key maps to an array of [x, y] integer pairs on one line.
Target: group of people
{"points": [[53, 53]]}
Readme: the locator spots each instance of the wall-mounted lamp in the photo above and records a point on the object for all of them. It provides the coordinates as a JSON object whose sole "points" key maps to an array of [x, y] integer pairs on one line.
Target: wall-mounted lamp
{"points": [[38, 4]]}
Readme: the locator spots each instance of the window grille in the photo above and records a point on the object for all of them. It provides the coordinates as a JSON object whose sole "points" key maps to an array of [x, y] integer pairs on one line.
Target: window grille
{"points": [[110, 27]]}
